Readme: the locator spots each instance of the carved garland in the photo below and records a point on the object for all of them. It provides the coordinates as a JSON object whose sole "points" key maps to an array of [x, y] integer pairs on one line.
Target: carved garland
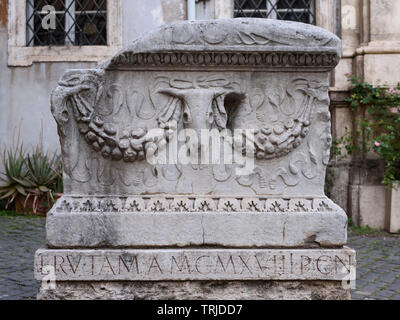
{"points": [[78, 88], [280, 139], [80, 92]]}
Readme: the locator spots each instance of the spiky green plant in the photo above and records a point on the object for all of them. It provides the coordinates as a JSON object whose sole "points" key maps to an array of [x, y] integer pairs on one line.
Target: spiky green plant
{"points": [[13, 181], [44, 176], [30, 176]]}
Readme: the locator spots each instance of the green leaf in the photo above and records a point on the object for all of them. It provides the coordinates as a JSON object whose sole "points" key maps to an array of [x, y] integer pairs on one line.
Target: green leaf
{"points": [[9, 193], [24, 183], [44, 189], [20, 189]]}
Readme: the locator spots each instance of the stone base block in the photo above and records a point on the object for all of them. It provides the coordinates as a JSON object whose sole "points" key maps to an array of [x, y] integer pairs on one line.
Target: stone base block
{"points": [[109, 222], [196, 290], [195, 273]]}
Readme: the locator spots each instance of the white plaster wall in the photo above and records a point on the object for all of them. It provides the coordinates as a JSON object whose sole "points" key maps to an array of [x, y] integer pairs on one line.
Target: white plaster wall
{"points": [[140, 16], [24, 100], [25, 91]]}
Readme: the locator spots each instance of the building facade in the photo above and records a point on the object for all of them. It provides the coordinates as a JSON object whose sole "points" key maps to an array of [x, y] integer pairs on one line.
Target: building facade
{"points": [[36, 49]]}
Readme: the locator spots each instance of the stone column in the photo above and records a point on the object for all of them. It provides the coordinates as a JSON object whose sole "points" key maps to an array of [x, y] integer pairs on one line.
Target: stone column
{"points": [[147, 214]]}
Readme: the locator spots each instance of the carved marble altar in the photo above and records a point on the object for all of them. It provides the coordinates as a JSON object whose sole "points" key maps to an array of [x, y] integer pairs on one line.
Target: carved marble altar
{"points": [[265, 79]]}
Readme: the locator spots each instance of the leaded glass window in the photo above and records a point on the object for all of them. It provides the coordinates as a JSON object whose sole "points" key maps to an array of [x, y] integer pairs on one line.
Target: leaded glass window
{"points": [[76, 22], [294, 10]]}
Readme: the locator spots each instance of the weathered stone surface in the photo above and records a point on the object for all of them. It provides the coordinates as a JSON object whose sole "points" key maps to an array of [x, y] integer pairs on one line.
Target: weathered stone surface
{"points": [[305, 228], [238, 36], [393, 210], [287, 160], [194, 264], [140, 171], [197, 290], [180, 77], [192, 203], [372, 206]]}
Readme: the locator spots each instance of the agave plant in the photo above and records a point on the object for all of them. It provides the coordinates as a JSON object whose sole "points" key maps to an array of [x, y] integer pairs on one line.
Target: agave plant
{"points": [[31, 176], [43, 177], [13, 182]]}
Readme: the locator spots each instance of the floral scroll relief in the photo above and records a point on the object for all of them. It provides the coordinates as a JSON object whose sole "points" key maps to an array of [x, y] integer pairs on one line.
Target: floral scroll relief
{"points": [[80, 93], [285, 129], [279, 139]]}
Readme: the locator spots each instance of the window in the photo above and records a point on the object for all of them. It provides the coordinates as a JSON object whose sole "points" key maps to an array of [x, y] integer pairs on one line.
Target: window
{"points": [[294, 10], [77, 22], [74, 31]]}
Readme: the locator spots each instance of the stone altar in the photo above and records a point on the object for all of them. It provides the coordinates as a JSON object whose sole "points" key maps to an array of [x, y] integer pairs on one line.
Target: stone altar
{"points": [[194, 168]]}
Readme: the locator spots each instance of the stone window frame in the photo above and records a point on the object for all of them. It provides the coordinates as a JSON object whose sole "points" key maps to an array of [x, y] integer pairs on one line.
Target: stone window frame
{"points": [[19, 54]]}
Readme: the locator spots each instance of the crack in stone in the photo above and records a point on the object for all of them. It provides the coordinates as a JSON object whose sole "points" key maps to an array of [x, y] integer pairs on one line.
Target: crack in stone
{"points": [[202, 228]]}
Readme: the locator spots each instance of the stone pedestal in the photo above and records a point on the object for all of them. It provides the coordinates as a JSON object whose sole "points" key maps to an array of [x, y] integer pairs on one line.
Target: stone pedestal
{"points": [[153, 211], [197, 290], [272, 222], [193, 254], [196, 273]]}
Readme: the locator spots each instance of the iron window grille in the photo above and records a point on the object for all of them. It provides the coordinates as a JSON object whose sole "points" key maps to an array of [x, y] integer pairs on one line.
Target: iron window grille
{"points": [[78, 23], [294, 10]]}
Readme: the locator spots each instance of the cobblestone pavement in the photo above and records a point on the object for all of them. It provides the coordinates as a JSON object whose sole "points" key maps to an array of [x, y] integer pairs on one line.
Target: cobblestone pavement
{"points": [[378, 266], [378, 260], [20, 237]]}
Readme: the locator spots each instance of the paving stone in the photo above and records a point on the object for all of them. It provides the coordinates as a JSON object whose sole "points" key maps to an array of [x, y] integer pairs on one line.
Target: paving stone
{"points": [[386, 293], [388, 277]]}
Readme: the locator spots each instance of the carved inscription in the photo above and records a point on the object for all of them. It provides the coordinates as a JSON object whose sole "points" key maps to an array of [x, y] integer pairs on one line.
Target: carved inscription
{"points": [[195, 264]]}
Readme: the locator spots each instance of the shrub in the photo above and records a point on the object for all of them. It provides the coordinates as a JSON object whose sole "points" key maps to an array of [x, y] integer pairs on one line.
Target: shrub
{"points": [[379, 130]]}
